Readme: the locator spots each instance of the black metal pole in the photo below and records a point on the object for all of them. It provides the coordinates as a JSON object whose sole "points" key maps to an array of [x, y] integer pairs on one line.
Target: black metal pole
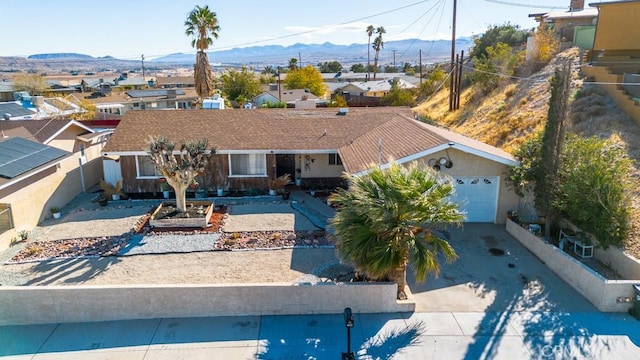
{"points": [[349, 340]]}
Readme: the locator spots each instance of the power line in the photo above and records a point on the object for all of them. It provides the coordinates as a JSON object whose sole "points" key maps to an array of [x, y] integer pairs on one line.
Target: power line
{"points": [[441, 4], [526, 5], [298, 33]]}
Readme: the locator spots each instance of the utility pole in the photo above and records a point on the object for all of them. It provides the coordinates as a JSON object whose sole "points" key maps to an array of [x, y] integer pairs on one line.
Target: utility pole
{"points": [[459, 80], [143, 77], [279, 87], [394, 61], [300, 60], [420, 66], [453, 55]]}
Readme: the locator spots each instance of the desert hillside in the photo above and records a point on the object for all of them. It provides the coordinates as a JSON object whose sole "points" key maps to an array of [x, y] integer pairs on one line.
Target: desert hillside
{"points": [[518, 108]]}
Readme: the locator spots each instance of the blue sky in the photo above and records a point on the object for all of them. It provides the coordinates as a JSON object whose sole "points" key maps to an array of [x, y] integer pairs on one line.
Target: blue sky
{"points": [[127, 29]]}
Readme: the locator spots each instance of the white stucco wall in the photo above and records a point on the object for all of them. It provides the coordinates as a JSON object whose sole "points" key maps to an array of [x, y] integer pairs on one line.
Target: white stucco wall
{"points": [[606, 295], [465, 164], [319, 167], [54, 304]]}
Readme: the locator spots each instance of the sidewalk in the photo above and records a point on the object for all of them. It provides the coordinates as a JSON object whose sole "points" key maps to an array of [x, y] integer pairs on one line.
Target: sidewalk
{"points": [[442, 335]]}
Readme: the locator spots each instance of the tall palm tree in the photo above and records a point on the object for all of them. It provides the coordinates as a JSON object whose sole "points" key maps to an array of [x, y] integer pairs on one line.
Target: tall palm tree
{"points": [[369, 31], [378, 44], [293, 64], [389, 218], [202, 24]]}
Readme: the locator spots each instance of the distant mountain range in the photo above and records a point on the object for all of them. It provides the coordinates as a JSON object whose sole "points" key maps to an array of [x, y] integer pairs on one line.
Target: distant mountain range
{"points": [[257, 56], [404, 50]]}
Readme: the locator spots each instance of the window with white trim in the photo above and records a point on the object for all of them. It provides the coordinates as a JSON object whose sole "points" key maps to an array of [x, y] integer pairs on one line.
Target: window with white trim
{"points": [[334, 159], [145, 167], [248, 164]]}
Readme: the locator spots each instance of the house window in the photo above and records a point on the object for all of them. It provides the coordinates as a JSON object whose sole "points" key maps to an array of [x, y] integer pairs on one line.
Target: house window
{"points": [[334, 159], [248, 164], [136, 104], [145, 167], [6, 219]]}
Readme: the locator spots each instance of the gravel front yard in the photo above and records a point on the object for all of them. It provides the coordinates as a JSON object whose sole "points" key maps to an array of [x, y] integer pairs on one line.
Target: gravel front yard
{"points": [[251, 266]]}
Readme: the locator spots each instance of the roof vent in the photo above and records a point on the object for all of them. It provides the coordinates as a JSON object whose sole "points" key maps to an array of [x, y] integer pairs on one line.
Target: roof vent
{"points": [[343, 111]]}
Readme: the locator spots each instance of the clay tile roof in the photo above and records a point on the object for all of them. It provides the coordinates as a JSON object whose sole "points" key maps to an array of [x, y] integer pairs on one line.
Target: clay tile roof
{"points": [[260, 129]]}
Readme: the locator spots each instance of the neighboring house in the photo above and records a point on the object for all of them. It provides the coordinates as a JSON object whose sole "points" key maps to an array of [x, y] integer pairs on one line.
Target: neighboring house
{"points": [[614, 60], [378, 88], [27, 107], [575, 26], [119, 102], [289, 97], [177, 82], [362, 77], [617, 29], [7, 88], [316, 146], [44, 163]]}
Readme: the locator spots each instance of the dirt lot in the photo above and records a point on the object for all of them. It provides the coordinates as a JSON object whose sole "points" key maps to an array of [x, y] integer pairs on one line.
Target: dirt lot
{"points": [[287, 265]]}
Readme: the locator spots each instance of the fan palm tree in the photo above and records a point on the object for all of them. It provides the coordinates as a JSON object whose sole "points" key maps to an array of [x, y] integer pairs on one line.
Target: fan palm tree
{"points": [[293, 64], [202, 25], [378, 44], [369, 31], [389, 218]]}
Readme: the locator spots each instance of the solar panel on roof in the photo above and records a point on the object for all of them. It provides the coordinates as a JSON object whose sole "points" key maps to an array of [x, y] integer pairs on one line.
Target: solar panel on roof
{"points": [[150, 93], [18, 156], [14, 109]]}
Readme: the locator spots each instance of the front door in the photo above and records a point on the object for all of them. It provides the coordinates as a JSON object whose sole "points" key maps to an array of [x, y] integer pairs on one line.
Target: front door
{"points": [[286, 164]]}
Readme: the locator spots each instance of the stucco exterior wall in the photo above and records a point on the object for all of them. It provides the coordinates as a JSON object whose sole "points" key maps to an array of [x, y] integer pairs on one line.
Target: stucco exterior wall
{"points": [[319, 167], [606, 295], [32, 198], [465, 164], [54, 304], [618, 26]]}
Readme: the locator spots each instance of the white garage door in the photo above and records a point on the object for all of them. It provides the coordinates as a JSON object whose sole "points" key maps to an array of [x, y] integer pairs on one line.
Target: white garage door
{"points": [[478, 196]]}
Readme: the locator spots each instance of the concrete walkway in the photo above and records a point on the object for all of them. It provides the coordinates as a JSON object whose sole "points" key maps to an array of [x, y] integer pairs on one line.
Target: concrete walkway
{"points": [[438, 335], [314, 209]]}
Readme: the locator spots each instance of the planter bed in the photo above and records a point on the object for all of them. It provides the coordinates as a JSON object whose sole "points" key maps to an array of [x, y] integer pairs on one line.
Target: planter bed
{"points": [[197, 215]]}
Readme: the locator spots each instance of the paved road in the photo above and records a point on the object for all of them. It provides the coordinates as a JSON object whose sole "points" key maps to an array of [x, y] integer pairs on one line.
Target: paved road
{"points": [[437, 335]]}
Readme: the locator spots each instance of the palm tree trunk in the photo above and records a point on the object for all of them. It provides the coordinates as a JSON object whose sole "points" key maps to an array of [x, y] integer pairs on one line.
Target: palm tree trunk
{"points": [[203, 75], [375, 65], [399, 275]]}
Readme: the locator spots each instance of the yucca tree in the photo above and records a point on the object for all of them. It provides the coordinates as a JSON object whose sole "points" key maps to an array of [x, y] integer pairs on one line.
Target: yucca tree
{"points": [[389, 218], [179, 166], [369, 31], [202, 25], [378, 44]]}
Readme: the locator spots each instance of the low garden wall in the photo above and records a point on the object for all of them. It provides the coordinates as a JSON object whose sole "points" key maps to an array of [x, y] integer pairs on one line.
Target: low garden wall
{"points": [[606, 295], [55, 304]]}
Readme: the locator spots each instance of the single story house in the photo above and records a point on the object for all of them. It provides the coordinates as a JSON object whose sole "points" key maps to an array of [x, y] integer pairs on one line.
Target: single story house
{"points": [[575, 25], [314, 145], [378, 88], [44, 164], [117, 103], [286, 96]]}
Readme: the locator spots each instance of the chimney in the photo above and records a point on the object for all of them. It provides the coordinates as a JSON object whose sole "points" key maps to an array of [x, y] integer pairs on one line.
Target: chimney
{"points": [[171, 93], [576, 5]]}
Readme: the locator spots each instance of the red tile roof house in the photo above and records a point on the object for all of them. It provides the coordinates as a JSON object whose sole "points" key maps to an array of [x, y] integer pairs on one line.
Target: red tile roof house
{"points": [[253, 146], [44, 164]]}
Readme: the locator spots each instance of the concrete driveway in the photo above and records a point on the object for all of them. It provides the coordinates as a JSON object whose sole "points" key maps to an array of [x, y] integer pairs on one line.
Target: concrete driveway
{"points": [[479, 281]]}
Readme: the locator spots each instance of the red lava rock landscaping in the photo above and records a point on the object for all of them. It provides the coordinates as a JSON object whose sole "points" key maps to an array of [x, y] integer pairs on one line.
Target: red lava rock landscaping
{"points": [[111, 245], [71, 248], [272, 239]]}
